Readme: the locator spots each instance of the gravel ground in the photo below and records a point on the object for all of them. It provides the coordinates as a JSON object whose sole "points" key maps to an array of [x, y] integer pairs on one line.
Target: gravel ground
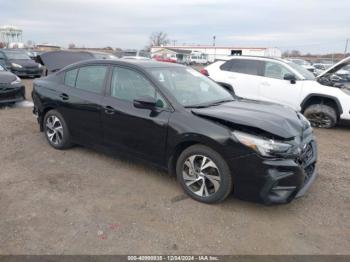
{"points": [[81, 201]]}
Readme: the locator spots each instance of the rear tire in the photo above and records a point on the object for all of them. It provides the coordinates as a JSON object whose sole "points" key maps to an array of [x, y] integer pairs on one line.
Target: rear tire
{"points": [[322, 116], [56, 130], [204, 174]]}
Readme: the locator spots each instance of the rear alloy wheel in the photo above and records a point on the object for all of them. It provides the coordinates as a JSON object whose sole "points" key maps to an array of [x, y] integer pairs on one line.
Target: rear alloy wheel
{"points": [[204, 174], [321, 116], [56, 130]]}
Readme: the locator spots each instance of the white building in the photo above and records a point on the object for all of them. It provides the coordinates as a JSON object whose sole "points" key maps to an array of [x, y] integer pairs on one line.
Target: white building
{"points": [[217, 52], [11, 34]]}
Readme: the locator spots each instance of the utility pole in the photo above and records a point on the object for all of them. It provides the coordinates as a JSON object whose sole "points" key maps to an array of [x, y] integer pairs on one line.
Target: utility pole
{"points": [[214, 38], [174, 42], [346, 46]]}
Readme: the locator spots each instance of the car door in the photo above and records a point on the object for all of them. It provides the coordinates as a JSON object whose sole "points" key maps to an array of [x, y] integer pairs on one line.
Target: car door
{"points": [[81, 99], [274, 88], [244, 75], [141, 132]]}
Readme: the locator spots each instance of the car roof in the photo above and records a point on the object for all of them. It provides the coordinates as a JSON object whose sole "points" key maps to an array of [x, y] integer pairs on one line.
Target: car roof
{"points": [[133, 62], [253, 57]]}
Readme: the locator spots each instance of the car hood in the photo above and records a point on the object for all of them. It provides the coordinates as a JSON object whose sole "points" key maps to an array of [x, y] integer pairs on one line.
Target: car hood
{"points": [[336, 67], [272, 118], [24, 62], [6, 77], [56, 60]]}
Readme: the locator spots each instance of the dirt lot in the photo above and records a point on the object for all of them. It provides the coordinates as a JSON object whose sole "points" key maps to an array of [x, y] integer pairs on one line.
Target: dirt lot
{"points": [[84, 202]]}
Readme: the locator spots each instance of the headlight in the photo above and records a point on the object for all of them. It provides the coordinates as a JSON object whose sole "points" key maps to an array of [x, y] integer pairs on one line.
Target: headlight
{"points": [[17, 81], [16, 65], [265, 147], [39, 65]]}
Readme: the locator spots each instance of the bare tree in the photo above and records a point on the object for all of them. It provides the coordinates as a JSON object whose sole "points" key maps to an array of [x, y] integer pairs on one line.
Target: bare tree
{"points": [[71, 46], [295, 53], [158, 39]]}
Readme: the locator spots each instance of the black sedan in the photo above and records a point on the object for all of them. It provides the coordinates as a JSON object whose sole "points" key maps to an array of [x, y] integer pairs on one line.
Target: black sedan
{"points": [[11, 88], [19, 63], [174, 117]]}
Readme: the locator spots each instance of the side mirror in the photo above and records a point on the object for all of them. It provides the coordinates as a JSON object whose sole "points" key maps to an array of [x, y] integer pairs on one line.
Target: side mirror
{"points": [[290, 77], [146, 102]]}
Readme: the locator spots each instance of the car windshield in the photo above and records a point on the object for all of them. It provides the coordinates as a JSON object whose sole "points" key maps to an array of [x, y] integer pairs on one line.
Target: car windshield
{"points": [[301, 70], [17, 55], [190, 88]]}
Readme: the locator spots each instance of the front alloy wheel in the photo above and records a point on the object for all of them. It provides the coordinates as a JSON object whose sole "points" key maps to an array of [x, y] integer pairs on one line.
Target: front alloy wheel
{"points": [[201, 175], [204, 174]]}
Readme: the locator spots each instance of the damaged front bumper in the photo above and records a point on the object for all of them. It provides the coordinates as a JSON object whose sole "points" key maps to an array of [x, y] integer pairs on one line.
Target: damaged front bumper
{"points": [[275, 181]]}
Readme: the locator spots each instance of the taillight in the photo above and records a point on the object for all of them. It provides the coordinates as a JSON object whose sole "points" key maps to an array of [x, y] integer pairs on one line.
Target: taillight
{"points": [[204, 72]]}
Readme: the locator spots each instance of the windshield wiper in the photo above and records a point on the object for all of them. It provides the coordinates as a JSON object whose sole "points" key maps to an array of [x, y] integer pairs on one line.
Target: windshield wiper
{"points": [[216, 103], [221, 102]]}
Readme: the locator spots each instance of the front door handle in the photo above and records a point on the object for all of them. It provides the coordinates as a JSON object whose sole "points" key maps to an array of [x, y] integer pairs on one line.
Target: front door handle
{"points": [[109, 110], [64, 96]]}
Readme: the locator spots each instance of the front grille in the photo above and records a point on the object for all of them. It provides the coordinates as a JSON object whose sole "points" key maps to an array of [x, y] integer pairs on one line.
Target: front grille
{"points": [[11, 93], [307, 160], [5, 87]]}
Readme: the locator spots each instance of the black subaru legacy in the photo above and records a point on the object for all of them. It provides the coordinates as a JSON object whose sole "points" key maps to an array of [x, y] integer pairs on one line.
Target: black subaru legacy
{"points": [[172, 116]]}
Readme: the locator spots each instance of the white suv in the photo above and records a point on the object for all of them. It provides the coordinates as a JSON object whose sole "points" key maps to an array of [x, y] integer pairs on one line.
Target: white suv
{"points": [[284, 82]]}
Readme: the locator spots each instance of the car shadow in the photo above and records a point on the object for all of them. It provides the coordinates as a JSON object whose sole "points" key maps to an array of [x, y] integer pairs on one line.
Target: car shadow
{"points": [[141, 166]]}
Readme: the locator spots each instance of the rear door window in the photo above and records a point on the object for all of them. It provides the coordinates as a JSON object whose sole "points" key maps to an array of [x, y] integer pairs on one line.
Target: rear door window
{"points": [[244, 66], [91, 78]]}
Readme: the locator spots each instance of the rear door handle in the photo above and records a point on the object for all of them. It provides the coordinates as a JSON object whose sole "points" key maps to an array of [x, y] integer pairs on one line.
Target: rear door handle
{"points": [[109, 110], [64, 96], [265, 83]]}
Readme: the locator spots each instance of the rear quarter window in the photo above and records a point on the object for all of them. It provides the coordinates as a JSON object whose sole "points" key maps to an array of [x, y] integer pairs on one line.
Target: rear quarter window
{"points": [[70, 77]]}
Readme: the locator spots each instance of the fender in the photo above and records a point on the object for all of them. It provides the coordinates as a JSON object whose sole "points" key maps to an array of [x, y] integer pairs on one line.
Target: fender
{"points": [[186, 141], [336, 100]]}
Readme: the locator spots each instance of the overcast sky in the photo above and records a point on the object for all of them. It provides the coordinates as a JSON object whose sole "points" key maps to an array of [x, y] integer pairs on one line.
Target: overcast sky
{"points": [[316, 26]]}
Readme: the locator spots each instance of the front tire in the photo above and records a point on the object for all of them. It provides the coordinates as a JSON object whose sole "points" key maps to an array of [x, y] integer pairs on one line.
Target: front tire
{"points": [[204, 174], [56, 130], [322, 116]]}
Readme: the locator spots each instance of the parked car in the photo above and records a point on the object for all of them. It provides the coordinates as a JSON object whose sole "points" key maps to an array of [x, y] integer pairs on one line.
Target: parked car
{"points": [[281, 81], [199, 58], [170, 59], [174, 117], [320, 68], [19, 63], [55, 60], [11, 88], [303, 63], [337, 75]]}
